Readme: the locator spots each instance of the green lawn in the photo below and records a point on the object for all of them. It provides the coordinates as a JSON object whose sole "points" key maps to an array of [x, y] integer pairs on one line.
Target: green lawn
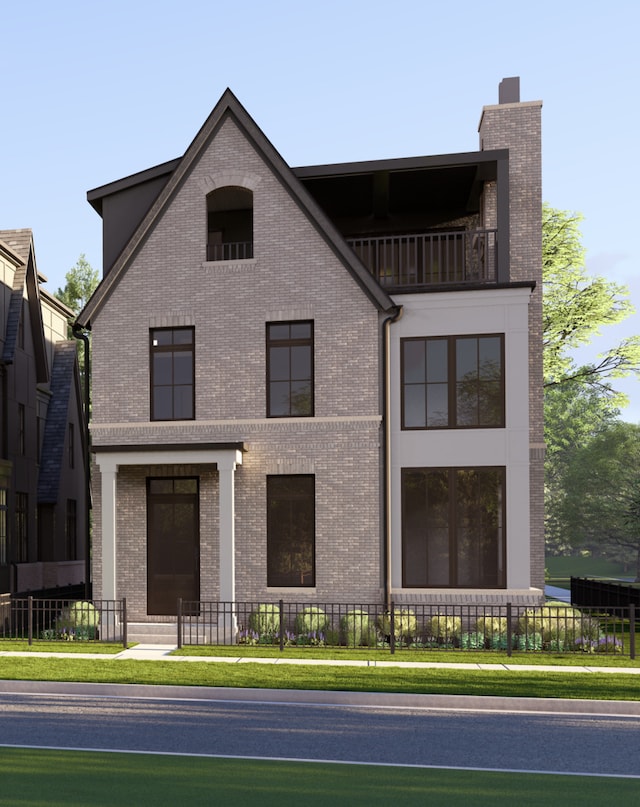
{"points": [[429, 656], [23, 646], [37, 778], [561, 569], [521, 683]]}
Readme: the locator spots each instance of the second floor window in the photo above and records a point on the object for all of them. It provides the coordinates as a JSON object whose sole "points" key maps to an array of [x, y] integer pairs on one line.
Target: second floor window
{"points": [[289, 369], [172, 374], [453, 382], [22, 434], [22, 534]]}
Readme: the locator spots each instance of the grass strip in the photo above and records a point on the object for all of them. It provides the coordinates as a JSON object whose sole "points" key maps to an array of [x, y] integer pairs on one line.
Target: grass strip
{"points": [[19, 646], [35, 778], [525, 683], [430, 656]]}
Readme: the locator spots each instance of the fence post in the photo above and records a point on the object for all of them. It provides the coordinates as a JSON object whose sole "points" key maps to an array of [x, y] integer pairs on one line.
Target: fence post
{"points": [[124, 623], [179, 621], [392, 628], [509, 630], [632, 630], [30, 621], [281, 628]]}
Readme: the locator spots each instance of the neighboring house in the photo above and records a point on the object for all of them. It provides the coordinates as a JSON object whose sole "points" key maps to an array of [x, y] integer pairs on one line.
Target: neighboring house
{"points": [[43, 458], [321, 383]]}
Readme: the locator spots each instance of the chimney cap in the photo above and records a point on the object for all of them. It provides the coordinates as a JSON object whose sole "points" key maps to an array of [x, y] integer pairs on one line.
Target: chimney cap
{"points": [[509, 90]]}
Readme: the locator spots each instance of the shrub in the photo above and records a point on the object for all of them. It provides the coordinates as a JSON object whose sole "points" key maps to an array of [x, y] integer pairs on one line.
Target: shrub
{"points": [[265, 620], [499, 641], [311, 620], [445, 627], [530, 641], [472, 641], [608, 644], [491, 625], [79, 620], [356, 630], [404, 622]]}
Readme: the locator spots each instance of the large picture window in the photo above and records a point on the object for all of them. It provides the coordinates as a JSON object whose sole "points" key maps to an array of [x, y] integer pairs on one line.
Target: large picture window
{"points": [[172, 374], [289, 369], [453, 382], [291, 531], [453, 528]]}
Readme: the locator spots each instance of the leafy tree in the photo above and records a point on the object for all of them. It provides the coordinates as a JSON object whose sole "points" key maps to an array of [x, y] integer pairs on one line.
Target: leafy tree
{"points": [[576, 306], [575, 413], [581, 404], [601, 503], [81, 282]]}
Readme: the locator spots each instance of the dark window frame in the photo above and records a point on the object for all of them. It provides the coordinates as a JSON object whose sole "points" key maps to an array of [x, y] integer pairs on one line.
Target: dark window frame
{"points": [[72, 446], [282, 495], [290, 343], [4, 516], [451, 383], [22, 429], [21, 514], [71, 530], [171, 348], [454, 520]]}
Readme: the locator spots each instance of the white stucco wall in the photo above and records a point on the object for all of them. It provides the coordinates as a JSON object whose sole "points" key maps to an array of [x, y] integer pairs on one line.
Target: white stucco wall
{"points": [[458, 313]]}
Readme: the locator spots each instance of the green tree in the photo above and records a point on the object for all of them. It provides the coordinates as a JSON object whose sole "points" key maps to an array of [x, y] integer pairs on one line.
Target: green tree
{"points": [[601, 504], [575, 414], [576, 306], [81, 282], [581, 403]]}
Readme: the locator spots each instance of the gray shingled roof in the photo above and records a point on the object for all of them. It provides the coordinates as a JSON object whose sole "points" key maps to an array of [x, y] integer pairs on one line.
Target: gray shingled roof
{"points": [[19, 241], [14, 314], [55, 430]]}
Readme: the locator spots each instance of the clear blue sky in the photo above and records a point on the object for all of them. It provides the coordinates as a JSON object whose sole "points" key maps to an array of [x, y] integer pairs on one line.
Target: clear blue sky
{"points": [[93, 92]]}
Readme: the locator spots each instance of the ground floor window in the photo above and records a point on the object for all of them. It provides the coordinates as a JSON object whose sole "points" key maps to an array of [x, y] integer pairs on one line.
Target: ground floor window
{"points": [[291, 530], [22, 533], [453, 528]]}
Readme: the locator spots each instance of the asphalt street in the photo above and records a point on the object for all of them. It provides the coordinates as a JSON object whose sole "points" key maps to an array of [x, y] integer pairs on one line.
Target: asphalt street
{"points": [[405, 734]]}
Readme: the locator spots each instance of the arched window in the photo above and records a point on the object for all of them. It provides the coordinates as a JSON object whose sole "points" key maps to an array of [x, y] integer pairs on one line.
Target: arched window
{"points": [[229, 224]]}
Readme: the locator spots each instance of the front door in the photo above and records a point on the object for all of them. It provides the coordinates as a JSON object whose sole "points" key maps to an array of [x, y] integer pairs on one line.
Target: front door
{"points": [[173, 543]]}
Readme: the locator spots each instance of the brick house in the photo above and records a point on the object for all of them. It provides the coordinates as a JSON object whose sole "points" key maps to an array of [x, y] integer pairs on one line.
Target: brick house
{"points": [[320, 383], [43, 469]]}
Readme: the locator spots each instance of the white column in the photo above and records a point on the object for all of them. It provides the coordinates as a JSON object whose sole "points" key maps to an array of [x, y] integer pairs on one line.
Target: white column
{"points": [[226, 473], [109, 474]]}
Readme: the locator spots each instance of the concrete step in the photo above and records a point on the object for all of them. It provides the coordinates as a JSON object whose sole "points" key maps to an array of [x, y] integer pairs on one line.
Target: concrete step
{"points": [[152, 633]]}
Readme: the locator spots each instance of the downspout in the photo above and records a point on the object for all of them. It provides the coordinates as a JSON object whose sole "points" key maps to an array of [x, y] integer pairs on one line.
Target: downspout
{"points": [[79, 333], [386, 419]]}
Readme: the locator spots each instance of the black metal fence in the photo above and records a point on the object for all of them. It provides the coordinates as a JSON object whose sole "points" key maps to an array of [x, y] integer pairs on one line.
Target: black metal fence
{"points": [[603, 594], [549, 628], [33, 619]]}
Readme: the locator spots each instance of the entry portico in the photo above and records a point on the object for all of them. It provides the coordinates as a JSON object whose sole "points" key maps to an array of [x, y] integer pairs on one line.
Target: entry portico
{"points": [[224, 456]]}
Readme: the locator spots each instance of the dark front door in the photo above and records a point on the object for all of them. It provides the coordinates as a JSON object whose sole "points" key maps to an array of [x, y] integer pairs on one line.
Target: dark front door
{"points": [[173, 543]]}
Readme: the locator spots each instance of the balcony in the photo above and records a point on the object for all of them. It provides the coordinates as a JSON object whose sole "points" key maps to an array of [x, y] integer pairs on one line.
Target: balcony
{"points": [[413, 262], [233, 251]]}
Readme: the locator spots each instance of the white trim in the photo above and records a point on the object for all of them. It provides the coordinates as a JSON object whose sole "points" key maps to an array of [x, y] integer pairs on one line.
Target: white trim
{"points": [[226, 460]]}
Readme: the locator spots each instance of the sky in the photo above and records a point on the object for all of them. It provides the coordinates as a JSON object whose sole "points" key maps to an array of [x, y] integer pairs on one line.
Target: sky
{"points": [[94, 92]]}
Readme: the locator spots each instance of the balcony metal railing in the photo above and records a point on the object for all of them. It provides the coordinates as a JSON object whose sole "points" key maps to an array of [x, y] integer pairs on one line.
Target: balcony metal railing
{"points": [[412, 261], [233, 251]]}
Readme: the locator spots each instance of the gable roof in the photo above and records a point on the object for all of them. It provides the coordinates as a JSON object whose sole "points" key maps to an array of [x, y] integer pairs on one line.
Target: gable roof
{"points": [[228, 105], [20, 244], [64, 376]]}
